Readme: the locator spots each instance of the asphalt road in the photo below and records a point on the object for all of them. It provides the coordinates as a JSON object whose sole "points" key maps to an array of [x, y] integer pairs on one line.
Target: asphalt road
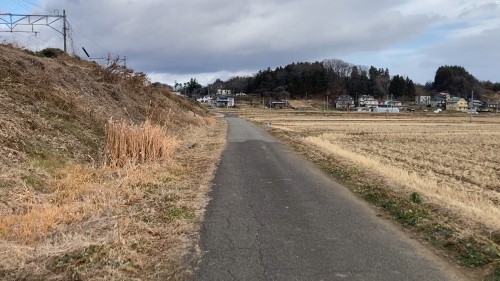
{"points": [[274, 216]]}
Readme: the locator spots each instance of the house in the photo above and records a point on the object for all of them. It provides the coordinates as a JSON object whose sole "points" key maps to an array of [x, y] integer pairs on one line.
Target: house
{"points": [[476, 103], [424, 100], [386, 109], [223, 92], [491, 105], [390, 103], [457, 104], [438, 101], [367, 101], [344, 102], [279, 104], [224, 101], [204, 99], [444, 95]]}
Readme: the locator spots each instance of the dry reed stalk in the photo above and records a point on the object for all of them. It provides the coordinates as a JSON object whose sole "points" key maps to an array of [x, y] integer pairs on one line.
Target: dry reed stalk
{"points": [[128, 143]]}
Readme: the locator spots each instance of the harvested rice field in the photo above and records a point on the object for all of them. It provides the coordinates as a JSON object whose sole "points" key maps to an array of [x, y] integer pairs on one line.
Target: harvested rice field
{"points": [[449, 160]]}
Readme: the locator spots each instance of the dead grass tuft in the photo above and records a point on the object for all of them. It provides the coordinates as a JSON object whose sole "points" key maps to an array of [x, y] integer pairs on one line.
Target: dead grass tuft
{"points": [[134, 144]]}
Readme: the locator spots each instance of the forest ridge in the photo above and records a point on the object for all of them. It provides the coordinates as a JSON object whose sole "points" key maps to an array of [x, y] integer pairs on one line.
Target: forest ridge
{"points": [[336, 77]]}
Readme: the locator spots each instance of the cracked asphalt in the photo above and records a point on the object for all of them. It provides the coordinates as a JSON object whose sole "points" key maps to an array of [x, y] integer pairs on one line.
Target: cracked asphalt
{"points": [[274, 216]]}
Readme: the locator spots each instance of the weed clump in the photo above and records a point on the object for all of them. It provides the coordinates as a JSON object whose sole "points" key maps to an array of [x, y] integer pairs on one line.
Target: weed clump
{"points": [[416, 198], [50, 53], [134, 144]]}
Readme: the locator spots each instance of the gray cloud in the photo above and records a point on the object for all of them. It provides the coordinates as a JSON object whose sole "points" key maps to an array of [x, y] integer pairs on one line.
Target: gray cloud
{"points": [[211, 36]]}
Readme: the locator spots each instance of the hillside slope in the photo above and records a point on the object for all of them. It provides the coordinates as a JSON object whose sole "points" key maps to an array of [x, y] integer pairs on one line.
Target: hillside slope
{"points": [[66, 215]]}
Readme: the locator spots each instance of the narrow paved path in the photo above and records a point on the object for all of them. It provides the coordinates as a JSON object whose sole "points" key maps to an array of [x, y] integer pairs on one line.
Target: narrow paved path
{"points": [[274, 216]]}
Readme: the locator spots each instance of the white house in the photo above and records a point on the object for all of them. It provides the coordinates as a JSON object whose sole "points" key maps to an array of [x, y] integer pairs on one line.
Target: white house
{"points": [[390, 103], [367, 101], [224, 101], [223, 92], [204, 99], [425, 100]]}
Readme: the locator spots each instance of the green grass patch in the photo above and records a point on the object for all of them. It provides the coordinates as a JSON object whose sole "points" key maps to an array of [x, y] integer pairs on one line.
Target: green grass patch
{"points": [[473, 256], [36, 182], [175, 213], [44, 158], [72, 263], [496, 274]]}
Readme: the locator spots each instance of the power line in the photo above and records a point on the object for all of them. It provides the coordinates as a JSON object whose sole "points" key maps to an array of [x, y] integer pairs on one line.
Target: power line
{"points": [[74, 28], [34, 5], [21, 4]]}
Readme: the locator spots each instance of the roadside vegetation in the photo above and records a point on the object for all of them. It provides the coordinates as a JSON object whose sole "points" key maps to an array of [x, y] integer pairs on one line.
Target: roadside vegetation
{"points": [[103, 175], [437, 175]]}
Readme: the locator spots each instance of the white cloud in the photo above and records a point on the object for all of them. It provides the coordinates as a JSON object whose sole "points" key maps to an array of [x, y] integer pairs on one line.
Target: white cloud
{"points": [[206, 38]]}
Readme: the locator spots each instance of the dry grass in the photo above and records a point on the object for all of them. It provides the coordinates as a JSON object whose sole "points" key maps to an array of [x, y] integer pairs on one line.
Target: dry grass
{"points": [[98, 222], [64, 215], [452, 162], [437, 174], [134, 144], [443, 173]]}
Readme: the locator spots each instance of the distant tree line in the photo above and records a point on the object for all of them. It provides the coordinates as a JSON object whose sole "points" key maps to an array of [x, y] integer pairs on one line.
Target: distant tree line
{"points": [[332, 77], [458, 82]]}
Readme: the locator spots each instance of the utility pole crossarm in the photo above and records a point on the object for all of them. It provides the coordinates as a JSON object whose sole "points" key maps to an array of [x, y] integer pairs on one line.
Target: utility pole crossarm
{"points": [[13, 21]]}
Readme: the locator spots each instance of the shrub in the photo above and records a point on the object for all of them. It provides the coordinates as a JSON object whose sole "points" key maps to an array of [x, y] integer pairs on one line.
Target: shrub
{"points": [[50, 53]]}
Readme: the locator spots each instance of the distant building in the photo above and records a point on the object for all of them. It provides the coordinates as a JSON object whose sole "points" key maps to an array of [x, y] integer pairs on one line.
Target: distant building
{"points": [[423, 100], [491, 105], [457, 104], [445, 95], [344, 102], [390, 103], [279, 104], [224, 101], [204, 99], [438, 101], [367, 101], [476, 103], [386, 109], [223, 92]]}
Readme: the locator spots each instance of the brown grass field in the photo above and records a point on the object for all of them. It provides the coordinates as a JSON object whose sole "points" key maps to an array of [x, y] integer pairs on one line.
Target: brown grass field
{"points": [[103, 175], [447, 162]]}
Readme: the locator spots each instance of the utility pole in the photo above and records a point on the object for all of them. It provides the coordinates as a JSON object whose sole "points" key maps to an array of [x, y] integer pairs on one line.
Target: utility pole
{"points": [[64, 30], [16, 22], [471, 105]]}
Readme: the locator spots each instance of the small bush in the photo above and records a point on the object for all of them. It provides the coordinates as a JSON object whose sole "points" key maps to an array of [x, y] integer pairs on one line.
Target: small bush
{"points": [[50, 53], [416, 198]]}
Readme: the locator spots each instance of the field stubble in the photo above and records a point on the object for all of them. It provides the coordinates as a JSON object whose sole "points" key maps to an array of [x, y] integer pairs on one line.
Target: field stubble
{"points": [[453, 166]]}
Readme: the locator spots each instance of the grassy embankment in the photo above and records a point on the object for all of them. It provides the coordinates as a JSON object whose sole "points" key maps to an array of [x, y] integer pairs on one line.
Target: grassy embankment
{"points": [[102, 175]]}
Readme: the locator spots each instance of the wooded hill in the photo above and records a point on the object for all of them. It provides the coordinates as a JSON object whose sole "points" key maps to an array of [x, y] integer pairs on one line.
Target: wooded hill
{"points": [[335, 77]]}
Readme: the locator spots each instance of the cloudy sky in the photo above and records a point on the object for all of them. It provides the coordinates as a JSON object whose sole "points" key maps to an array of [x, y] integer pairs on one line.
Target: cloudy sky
{"points": [[174, 40]]}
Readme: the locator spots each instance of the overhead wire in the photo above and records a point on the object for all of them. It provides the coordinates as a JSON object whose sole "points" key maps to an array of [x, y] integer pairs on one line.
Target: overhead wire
{"points": [[21, 5], [34, 5], [74, 28]]}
